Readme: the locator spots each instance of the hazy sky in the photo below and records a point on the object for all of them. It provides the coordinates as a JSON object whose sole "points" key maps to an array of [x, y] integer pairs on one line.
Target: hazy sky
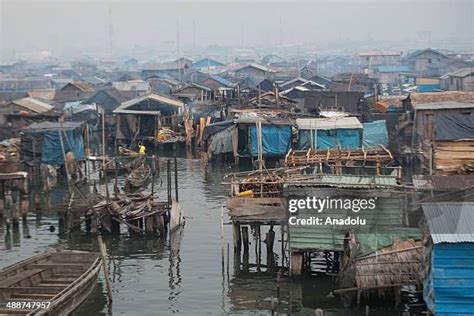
{"points": [[74, 24]]}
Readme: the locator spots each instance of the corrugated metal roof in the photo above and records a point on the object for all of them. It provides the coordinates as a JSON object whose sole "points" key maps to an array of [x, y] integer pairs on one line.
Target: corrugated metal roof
{"points": [[221, 80], [444, 105], [443, 183], [450, 222], [430, 97], [463, 72], [257, 66], [380, 53], [152, 96], [349, 181], [329, 123], [387, 214], [51, 126], [33, 105], [132, 85]]}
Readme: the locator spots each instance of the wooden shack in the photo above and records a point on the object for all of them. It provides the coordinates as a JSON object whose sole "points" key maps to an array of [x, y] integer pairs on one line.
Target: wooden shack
{"points": [[444, 135], [143, 117]]}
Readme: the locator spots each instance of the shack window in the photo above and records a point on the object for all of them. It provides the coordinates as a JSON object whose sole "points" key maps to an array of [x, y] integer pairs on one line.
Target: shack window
{"points": [[430, 60]]}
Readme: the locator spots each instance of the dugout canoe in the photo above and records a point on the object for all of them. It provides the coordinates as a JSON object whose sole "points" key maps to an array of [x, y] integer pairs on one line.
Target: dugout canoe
{"points": [[52, 283], [138, 178]]}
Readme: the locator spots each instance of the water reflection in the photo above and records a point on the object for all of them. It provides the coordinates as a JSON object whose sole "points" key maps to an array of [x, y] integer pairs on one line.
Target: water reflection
{"points": [[183, 273]]}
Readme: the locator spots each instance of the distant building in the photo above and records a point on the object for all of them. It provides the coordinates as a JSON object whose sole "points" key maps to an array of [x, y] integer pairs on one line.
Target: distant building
{"points": [[109, 99], [131, 63], [206, 63], [430, 62], [369, 60], [326, 82], [254, 70], [350, 102], [461, 80], [195, 92], [175, 69], [301, 82], [78, 86], [389, 73], [132, 85]]}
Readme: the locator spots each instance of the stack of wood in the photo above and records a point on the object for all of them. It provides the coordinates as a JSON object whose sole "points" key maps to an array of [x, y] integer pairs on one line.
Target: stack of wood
{"points": [[9, 150], [453, 157], [265, 183], [338, 156], [140, 212]]}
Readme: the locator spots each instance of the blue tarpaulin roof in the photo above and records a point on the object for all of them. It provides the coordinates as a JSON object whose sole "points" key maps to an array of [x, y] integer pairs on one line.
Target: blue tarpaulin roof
{"points": [[276, 140]]}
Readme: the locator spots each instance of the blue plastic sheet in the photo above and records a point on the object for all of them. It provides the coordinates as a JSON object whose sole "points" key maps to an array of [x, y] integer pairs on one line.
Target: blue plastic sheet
{"points": [[276, 140], [346, 138], [375, 134], [51, 151]]}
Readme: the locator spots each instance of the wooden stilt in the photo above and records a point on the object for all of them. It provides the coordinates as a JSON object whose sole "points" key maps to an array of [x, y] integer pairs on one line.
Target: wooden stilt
{"points": [[237, 237], [245, 238]]}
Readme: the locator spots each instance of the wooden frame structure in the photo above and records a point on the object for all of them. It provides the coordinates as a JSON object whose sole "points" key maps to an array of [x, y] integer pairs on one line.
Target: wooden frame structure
{"points": [[337, 157]]}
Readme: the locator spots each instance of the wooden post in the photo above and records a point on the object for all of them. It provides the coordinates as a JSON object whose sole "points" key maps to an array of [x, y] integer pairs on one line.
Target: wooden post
{"points": [[237, 237], [168, 176], [153, 163], [270, 238], [176, 178], [103, 252], [296, 263], [222, 237], [245, 238]]}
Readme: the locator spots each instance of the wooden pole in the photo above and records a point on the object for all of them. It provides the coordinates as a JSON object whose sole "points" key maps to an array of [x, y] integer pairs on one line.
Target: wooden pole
{"points": [[103, 253], [237, 237], [245, 238], [153, 163], [168, 177], [103, 142], [176, 178], [222, 237]]}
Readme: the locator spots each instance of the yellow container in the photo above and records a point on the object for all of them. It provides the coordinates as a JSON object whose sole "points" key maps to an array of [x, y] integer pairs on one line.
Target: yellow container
{"points": [[246, 193]]}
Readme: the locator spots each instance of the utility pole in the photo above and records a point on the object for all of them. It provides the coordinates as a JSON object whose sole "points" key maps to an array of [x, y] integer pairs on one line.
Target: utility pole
{"points": [[177, 38], [194, 35], [111, 31], [281, 33]]}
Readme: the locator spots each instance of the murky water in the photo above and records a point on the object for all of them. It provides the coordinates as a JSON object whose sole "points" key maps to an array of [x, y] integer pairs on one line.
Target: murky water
{"points": [[183, 274]]}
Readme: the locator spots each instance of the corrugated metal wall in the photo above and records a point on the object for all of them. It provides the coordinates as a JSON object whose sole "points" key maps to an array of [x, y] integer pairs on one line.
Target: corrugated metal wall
{"points": [[449, 289]]}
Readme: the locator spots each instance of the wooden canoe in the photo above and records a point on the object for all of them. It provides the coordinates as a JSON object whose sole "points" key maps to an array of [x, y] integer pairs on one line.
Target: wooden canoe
{"points": [[138, 178], [61, 280], [127, 152], [119, 166]]}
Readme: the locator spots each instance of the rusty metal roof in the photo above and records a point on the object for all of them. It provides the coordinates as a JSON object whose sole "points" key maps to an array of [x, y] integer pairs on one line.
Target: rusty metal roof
{"points": [[443, 183]]}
